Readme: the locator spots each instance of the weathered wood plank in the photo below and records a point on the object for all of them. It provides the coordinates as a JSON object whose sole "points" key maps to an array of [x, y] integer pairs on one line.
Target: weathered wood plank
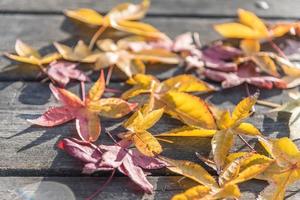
{"points": [[30, 150], [121, 188], [167, 7]]}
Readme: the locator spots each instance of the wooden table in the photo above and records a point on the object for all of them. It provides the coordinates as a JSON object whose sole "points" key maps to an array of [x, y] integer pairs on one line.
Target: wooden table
{"points": [[28, 156]]}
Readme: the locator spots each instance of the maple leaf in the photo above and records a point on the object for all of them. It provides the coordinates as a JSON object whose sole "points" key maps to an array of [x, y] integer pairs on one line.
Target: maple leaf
{"points": [[284, 171], [108, 157], [85, 112], [80, 53], [122, 17], [61, 72], [226, 187], [230, 125], [27, 54], [130, 62], [246, 73], [138, 124], [227, 127], [170, 95], [250, 27]]}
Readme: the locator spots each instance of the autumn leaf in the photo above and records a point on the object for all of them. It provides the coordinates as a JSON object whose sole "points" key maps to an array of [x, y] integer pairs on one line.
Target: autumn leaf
{"points": [[137, 126], [122, 17], [107, 158], [230, 125], [84, 111], [226, 187], [285, 170], [61, 72], [80, 53], [27, 54], [170, 95], [249, 27], [115, 54], [246, 73]]}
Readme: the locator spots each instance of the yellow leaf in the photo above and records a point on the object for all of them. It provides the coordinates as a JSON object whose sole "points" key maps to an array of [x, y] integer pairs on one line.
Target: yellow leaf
{"points": [[244, 108], [111, 107], [221, 143], [50, 58], [250, 46], [138, 28], [186, 83], [187, 131], [285, 151], [193, 113], [142, 84], [98, 88], [134, 122], [27, 54], [24, 50], [250, 19], [192, 171], [88, 123], [228, 191], [30, 60], [250, 172], [197, 192], [85, 15], [129, 11], [150, 118], [224, 120], [247, 129], [157, 55], [146, 143], [80, 53], [236, 30], [265, 63]]}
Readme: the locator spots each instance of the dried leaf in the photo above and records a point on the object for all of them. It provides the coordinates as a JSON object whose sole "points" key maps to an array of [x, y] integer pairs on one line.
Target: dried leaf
{"points": [[85, 112], [61, 72], [28, 54]]}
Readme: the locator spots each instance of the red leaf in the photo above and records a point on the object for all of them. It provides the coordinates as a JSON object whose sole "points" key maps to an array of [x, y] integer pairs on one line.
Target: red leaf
{"points": [[128, 161], [62, 71], [247, 73]]}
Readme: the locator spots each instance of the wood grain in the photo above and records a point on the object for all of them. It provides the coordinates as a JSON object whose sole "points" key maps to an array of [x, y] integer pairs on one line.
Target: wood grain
{"points": [[28, 150], [210, 8], [121, 188]]}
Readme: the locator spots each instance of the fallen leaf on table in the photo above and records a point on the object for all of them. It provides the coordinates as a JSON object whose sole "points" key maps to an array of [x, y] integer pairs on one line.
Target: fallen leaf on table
{"points": [[80, 53], [84, 111], [170, 95], [115, 54], [137, 126], [62, 71], [246, 73], [226, 187], [109, 157], [251, 27], [230, 125], [28, 54], [122, 17], [284, 171]]}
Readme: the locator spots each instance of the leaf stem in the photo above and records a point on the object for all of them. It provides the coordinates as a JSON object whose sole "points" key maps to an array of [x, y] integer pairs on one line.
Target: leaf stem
{"points": [[82, 90], [109, 73], [96, 36], [246, 143], [267, 103], [102, 186]]}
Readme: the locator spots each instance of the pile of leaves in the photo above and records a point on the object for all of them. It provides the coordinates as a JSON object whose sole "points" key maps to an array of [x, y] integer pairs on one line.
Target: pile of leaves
{"points": [[136, 148]]}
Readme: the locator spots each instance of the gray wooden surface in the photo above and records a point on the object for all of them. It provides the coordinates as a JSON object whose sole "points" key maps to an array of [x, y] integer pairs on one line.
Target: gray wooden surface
{"points": [[29, 159]]}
